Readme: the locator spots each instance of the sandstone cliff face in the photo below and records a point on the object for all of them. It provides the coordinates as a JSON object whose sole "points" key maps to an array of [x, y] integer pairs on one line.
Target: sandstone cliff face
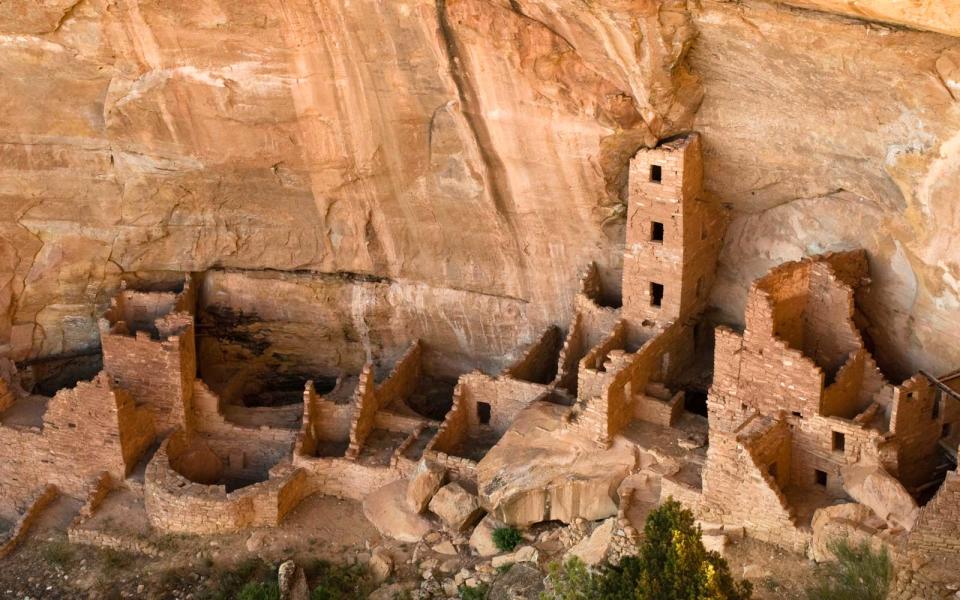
{"points": [[469, 145]]}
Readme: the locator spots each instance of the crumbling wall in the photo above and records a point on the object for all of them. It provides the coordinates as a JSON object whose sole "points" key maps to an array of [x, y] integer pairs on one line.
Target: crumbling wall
{"points": [[87, 429], [739, 490], [937, 530], [915, 421], [504, 397], [248, 451], [573, 350], [344, 478], [371, 398], [771, 376], [158, 373], [34, 508], [594, 372], [538, 364], [174, 504], [94, 427], [453, 430], [324, 420]]}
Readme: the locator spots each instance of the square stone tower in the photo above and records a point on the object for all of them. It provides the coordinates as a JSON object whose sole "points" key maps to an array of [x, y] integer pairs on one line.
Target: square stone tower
{"points": [[673, 237]]}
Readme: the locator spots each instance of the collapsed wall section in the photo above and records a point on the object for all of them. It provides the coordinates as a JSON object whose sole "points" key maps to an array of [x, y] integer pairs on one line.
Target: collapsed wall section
{"points": [[87, 429]]}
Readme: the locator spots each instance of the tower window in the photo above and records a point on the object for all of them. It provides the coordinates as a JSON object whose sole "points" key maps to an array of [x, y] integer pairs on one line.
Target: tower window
{"points": [[699, 287], [945, 430], [820, 477], [656, 173], [483, 412], [656, 294], [839, 441], [935, 414], [656, 232], [772, 470]]}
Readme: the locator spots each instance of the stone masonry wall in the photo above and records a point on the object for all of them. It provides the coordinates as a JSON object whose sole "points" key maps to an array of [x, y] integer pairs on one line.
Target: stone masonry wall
{"points": [[371, 398], [539, 362], [175, 504], [506, 398], [158, 373], [937, 530], [917, 428], [87, 429]]}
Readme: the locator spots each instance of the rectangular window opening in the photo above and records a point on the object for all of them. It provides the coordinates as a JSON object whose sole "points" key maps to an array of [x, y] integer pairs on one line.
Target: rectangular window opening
{"points": [[483, 412], [772, 470], [656, 294], [839, 441], [797, 414], [945, 430], [656, 232], [935, 414], [656, 173], [821, 477]]}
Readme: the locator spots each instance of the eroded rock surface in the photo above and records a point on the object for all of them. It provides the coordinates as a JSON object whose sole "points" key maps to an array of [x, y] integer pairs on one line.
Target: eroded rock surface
{"points": [[539, 472], [467, 144]]}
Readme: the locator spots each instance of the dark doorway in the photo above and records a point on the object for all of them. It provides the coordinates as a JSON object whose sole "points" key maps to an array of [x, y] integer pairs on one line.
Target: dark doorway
{"points": [[695, 401], [483, 412]]}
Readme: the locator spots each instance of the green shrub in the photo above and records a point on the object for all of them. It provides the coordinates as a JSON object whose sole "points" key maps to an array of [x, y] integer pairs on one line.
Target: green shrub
{"points": [[859, 573], [473, 593], [259, 591], [571, 581], [250, 574], [672, 565], [339, 582], [57, 553], [506, 538]]}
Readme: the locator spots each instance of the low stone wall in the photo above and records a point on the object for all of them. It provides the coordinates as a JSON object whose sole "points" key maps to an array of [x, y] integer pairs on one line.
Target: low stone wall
{"points": [[175, 504], [27, 519], [346, 478], [660, 412]]}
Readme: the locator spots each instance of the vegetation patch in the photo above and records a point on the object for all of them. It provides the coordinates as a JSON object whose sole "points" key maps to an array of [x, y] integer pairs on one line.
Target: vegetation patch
{"points": [[672, 565], [859, 573], [506, 538]]}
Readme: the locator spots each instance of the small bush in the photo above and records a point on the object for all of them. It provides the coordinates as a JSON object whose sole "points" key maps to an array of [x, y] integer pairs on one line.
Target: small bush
{"points": [[859, 573], [506, 538], [571, 581], [57, 553], [115, 560], [339, 582], [249, 573], [672, 565], [474, 593], [259, 591]]}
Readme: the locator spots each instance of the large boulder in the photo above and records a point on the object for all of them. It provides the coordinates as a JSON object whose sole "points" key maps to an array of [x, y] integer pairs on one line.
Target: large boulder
{"points": [[424, 483], [292, 582], [481, 540], [873, 487], [520, 582], [539, 471], [387, 509], [593, 549], [456, 507], [851, 521]]}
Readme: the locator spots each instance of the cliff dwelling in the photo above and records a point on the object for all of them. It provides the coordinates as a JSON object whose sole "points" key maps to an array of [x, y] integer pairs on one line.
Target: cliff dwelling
{"points": [[458, 299]]}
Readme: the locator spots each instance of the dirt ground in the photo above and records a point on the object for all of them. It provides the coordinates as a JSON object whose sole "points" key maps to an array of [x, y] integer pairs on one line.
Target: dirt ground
{"points": [[321, 529]]}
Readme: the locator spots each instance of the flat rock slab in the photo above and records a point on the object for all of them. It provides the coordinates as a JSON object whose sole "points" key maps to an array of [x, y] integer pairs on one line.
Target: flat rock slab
{"points": [[539, 472], [387, 509]]}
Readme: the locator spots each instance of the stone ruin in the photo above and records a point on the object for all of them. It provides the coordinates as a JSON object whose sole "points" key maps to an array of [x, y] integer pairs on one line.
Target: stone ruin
{"points": [[798, 435]]}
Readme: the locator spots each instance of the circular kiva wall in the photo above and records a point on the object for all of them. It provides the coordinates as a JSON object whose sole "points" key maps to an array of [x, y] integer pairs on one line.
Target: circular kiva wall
{"points": [[186, 485]]}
